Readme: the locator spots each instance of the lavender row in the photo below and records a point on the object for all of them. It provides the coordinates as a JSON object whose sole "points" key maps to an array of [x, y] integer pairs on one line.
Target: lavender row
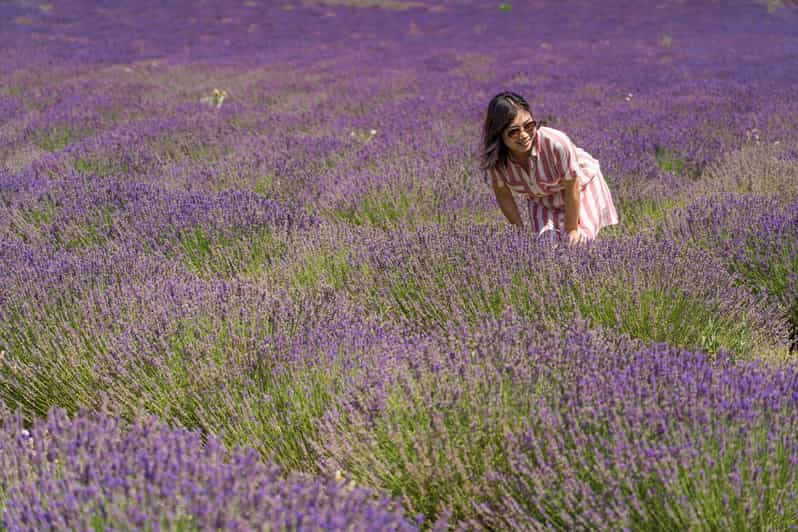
{"points": [[508, 425], [647, 127], [658, 289], [111, 322], [266, 33], [757, 238], [81, 214], [503, 423], [95, 471], [640, 139]]}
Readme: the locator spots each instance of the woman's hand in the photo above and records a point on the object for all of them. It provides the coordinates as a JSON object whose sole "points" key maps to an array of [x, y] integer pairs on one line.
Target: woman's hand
{"points": [[575, 237]]}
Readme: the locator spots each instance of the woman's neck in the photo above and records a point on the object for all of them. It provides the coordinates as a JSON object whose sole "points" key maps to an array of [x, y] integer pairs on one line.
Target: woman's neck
{"points": [[521, 159]]}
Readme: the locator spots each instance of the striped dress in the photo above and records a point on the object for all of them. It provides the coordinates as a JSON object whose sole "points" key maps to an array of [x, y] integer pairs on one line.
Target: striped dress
{"points": [[554, 159]]}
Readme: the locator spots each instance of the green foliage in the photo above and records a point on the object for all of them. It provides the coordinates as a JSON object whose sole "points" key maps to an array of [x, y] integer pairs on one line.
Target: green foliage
{"points": [[263, 185], [670, 161], [767, 266], [54, 355], [642, 214], [427, 293], [179, 147], [774, 276], [223, 255], [710, 489], [59, 137], [323, 269], [275, 410], [381, 209], [94, 232], [716, 500], [434, 440], [177, 384], [102, 165], [40, 216]]}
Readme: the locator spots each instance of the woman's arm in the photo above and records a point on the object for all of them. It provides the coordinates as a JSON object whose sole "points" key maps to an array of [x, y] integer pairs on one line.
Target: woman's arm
{"points": [[572, 198], [504, 197]]}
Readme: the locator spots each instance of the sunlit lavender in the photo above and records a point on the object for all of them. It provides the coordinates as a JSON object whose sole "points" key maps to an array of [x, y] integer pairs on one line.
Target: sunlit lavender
{"points": [[250, 275]]}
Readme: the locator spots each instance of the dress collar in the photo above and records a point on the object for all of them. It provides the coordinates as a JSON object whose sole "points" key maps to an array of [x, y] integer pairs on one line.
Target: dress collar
{"points": [[535, 143]]}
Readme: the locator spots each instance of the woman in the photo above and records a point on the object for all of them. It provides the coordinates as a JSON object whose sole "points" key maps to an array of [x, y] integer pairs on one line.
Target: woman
{"points": [[567, 197]]}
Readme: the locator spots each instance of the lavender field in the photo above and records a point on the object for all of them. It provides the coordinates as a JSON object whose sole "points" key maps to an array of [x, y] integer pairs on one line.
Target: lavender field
{"points": [[251, 276]]}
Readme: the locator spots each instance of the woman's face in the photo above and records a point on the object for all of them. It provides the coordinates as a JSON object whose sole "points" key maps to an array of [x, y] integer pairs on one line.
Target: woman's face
{"points": [[520, 134]]}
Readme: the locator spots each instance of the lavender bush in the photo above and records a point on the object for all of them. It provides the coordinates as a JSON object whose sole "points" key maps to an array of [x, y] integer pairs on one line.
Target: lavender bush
{"points": [[95, 473], [654, 289], [763, 252], [576, 430], [718, 449], [246, 245]]}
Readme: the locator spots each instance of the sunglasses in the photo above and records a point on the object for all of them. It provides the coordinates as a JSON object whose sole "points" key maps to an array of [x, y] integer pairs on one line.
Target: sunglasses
{"points": [[529, 128]]}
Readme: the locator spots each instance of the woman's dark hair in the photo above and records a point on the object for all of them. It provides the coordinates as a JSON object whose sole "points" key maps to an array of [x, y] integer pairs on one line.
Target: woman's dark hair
{"points": [[501, 112]]}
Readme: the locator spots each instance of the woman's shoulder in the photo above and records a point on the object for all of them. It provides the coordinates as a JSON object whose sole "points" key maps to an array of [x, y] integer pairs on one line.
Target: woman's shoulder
{"points": [[499, 168], [554, 137]]}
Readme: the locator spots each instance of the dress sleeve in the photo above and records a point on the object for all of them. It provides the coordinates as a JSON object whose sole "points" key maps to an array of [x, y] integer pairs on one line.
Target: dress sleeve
{"points": [[566, 156], [563, 163]]}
